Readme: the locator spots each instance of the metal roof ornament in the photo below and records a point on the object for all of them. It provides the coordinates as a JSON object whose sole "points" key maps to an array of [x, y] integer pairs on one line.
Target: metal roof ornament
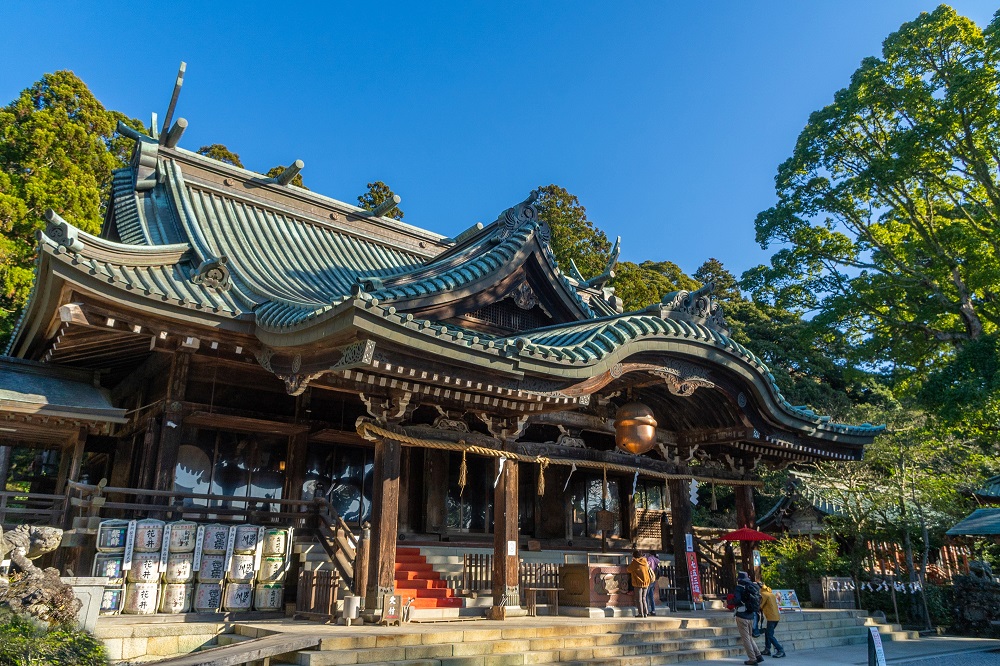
{"points": [[698, 306], [62, 232], [517, 216], [287, 174], [213, 273]]}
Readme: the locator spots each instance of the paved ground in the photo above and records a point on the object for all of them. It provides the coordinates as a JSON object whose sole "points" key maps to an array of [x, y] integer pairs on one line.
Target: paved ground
{"points": [[939, 650]]}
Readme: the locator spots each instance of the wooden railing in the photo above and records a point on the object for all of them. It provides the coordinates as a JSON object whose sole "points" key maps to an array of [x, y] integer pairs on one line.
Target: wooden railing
{"points": [[316, 597], [115, 502], [32, 508], [478, 573], [339, 542]]}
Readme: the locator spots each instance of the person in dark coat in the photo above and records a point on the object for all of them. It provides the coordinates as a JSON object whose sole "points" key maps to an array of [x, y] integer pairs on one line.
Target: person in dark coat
{"points": [[746, 596]]}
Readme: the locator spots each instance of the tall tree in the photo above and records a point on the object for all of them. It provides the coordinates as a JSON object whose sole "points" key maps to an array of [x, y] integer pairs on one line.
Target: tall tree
{"points": [[218, 151], [58, 148], [574, 236], [889, 207], [726, 286], [376, 194]]}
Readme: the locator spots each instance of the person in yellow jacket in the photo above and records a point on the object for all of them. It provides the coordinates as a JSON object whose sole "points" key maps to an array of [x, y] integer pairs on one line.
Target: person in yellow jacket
{"points": [[642, 577], [769, 607]]}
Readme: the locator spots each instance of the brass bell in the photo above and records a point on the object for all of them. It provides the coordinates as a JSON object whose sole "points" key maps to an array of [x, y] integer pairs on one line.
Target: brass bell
{"points": [[635, 428]]}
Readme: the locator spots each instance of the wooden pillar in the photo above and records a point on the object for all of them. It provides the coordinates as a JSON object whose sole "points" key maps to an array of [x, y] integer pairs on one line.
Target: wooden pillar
{"points": [[173, 422], [746, 516], [680, 515], [295, 465], [385, 516], [506, 558], [6, 453], [76, 455]]}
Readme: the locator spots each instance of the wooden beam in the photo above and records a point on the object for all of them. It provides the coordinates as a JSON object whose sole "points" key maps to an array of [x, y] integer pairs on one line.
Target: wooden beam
{"points": [[506, 591], [681, 523], [155, 365], [746, 516], [385, 515]]}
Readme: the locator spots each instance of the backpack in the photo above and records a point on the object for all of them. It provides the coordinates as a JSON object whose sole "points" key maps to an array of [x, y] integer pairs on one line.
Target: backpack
{"points": [[751, 598]]}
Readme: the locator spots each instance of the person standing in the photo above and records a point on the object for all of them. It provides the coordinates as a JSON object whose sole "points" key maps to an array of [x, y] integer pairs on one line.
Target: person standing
{"points": [[746, 596], [654, 567], [769, 606], [638, 569]]}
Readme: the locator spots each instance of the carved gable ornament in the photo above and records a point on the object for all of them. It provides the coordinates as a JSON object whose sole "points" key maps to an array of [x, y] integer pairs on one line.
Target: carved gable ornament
{"points": [[697, 306], [213, 273]]}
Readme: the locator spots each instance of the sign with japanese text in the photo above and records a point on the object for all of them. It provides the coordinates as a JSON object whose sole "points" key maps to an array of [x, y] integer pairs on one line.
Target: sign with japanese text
{"points": [[787, 600], [695, 576]]}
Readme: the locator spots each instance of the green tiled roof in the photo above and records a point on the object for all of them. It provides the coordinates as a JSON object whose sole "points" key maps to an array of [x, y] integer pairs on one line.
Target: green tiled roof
{"points": [[43, 389], [981, 522], [990, 489]]}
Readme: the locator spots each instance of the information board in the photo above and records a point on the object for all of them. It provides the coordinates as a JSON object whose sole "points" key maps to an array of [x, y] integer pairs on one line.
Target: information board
{"points": [[392, 609], [787, 600]]}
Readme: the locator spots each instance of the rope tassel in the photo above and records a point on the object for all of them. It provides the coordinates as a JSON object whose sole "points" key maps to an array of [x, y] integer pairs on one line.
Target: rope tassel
{"points": [[542, 464], [463, 474]]}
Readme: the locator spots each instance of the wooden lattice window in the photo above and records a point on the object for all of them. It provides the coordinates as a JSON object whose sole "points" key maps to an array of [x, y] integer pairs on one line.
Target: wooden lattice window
{"points": [[507, 315]]}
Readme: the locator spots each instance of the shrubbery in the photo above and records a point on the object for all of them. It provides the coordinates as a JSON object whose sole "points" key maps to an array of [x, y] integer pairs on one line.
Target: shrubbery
{"points": [[25, 643], [790, 562]]}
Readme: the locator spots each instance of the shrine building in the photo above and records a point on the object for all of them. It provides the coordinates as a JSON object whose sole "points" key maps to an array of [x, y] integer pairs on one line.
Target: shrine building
{"points": [[240, 348]]}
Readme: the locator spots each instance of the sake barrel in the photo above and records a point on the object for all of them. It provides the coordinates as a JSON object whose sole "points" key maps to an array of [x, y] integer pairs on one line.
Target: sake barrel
{"points": [[269, 597], [180, 568], [207, 597], [213, 569], [246, 539], [145, 568], [111, 600], [216, 539], [182, 536], [241, 569], [176, 598], [140, 598], [111, 536], [109, 565], [272, 570], [275, 541], [148, 535], [238, 597]]}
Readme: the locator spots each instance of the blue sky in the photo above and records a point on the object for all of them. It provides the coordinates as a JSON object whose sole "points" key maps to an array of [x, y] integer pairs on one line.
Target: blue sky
{"points": [[668, 120]]}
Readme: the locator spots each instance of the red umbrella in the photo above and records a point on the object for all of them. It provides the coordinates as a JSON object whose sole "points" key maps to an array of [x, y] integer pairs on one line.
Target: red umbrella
{"points": [[747, 534]]}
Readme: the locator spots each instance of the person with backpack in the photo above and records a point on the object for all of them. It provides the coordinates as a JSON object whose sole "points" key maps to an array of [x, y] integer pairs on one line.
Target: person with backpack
{"points": [[769, 606], [638, 569], [746, 597]]}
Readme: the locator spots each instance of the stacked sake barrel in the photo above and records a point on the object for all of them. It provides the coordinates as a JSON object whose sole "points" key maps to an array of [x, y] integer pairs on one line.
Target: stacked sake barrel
{"points": [[112, 536], [181, 566], [142, 588]]}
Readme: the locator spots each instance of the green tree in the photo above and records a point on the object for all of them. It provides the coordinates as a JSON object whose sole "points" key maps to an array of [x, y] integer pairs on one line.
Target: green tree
{"points": [[641, 285], [376, 194], [217, 151], [574, 236], [727, 288], [889, 206], [58, 147]]}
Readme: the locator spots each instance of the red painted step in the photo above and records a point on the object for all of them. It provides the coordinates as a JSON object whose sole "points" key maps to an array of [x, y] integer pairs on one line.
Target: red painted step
{"points": [[416, 579]]}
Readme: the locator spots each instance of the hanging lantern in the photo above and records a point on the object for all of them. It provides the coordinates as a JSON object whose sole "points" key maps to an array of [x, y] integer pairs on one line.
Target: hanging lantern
{"points": [[635, 428]]}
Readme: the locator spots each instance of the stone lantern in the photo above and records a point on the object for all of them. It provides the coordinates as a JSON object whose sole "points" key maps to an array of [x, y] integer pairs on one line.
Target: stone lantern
{"points": [[635, 428]]}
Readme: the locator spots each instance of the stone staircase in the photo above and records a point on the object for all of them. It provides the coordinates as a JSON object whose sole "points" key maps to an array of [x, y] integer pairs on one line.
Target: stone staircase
{"points": [[418, 580], [646, 642]]}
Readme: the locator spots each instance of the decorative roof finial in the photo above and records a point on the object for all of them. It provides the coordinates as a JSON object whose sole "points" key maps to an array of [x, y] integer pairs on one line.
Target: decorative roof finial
{"points": [[62, 232], [174, 135], [173, 102], [289, 172], [387, 205]]}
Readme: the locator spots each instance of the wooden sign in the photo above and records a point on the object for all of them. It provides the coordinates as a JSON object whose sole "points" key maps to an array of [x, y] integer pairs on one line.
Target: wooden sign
{"points": [[606, 520], [392, 609], [787, 600]]}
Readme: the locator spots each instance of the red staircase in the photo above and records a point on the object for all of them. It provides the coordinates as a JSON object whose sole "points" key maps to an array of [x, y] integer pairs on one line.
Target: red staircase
{"points": [[416, 579]]}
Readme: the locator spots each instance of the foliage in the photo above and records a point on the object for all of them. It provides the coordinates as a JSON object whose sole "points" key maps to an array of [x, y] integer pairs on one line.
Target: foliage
{"points": [[941, 601], [790, 562], [376, 194], [58, 148], [574, 236], [727, 289], [889, 206], [217, 151], [25, 643], [641, 285], [966, 391]]}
